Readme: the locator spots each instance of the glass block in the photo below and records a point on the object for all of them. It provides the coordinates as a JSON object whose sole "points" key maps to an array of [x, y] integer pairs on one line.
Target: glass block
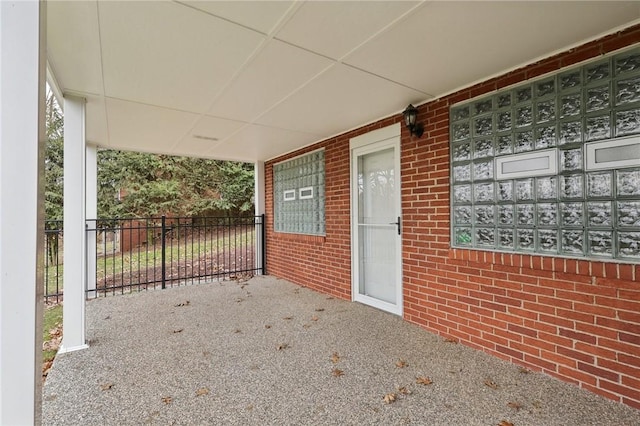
{"points": [[525, 214], [483, 192], [462, 194], [629, 244], [483, 148], [462, 173], [462, 235], [460, 113], [570, 132], [570, 80], [504, 121], [628, 91], [597, 98], [505, 190], [546, 87], [505, 214], [504, 145], [572, 214], [545, 111], [525, 239], [483, 126], [504, 100], [484, 215], [629, 213], [462, 152], [627, 122], [599, 213], [601, 243], [599, 184], [573, 241], [483, 106], [627, 63], [548, 240], [462, 215], [571, 159], [524, 190], [461, 131], [597, 72], [547, 214], [570, 105], [486, 237], [483, 170], [547, 188], [628, 183], [524, 116], [505, 238], [598, 128], [523, 95], [545, 137], [524, 141]]}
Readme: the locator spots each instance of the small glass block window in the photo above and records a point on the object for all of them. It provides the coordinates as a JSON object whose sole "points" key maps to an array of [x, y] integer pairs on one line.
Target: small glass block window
{"points": [[583, 125], [299, 195]]}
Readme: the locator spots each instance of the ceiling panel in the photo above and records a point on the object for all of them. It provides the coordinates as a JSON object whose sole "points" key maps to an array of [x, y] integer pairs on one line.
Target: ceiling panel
{"points": [[170, 55], [335, 28], [207, 133], [277, 71], [340, 99], [134, 126], [469, 41], [259, 15], [96, 128], [77, 65]]}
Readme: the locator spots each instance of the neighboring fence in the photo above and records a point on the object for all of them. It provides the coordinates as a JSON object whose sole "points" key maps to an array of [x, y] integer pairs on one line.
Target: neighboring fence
{"points": [[134, 254]]}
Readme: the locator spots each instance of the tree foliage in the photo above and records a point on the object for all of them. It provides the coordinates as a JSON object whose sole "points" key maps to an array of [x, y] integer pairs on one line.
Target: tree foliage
{"points": [[53, 163]]}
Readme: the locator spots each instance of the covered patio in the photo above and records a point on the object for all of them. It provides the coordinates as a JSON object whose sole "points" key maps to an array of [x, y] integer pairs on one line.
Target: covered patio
{"points": [[266, 351]]}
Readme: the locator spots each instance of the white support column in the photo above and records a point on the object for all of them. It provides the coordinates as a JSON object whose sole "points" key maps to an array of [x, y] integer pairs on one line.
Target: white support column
{"points": [[259, 205], [22, 141], [75, 241], [91, 213]]}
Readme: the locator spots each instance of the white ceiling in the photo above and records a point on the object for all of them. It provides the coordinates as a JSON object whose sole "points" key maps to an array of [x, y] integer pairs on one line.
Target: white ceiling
{"points": [[250, 80]]}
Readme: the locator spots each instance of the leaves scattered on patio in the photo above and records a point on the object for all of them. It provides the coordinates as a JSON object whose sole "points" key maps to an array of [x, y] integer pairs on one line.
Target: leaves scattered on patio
{"points": [[319, 309], [490, 383], [167, 399], [424, 380], [178, 330], [283, 346], [336, 372], [390, 398], [202, 391], [335, 358], [450, 340], [403, 390], [314, 318], [401, 363], [267, 326], [524, 370], [185, 303], [505, 423], [106, 386], [515, 405], [237, 331]]}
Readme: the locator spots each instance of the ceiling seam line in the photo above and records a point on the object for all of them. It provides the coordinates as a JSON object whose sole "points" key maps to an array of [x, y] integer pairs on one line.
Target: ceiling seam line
{"points": [[104, 89], [388, 79]]}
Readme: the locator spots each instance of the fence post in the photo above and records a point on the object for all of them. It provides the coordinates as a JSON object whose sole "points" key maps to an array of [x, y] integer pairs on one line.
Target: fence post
{"points": [[164, 255], [263, 257]]}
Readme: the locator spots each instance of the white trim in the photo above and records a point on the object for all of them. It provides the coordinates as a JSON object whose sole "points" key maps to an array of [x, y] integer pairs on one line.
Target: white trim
{"points": [[297, 156], [375, 136], [592, 147], [550, 168], [302, 196], [289, 195]]}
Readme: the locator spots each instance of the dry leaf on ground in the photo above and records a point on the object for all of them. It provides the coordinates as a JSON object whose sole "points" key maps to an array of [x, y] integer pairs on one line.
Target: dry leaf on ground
{"points": [[167, 399], [401, 363], [267, 326], [335, 358], [106, 386], [515, 405], [450, 340], [202, 391], [505, 423], [491, 384], [423, 380], [523, 370], [404, 390], [319, 309], [314, 318], [283, 346], [389, 398], [337, 372], [179, 330], [237, 330], [185, 303], [287, 318]]}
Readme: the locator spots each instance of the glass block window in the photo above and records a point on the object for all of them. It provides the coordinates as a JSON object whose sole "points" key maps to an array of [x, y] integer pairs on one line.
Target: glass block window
{"points": [[552, 166], [299, 195]]}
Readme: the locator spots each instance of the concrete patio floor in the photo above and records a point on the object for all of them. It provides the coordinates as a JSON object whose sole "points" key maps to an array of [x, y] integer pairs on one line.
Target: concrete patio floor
{"points": [[267, 351]]}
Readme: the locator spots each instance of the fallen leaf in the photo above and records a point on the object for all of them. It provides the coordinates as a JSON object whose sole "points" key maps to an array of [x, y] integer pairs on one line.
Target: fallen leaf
{"points": [[389, 398], [106, 386], [314, 318], [515, 405], [454, 341], [404, 390], [424, 380], [283, 346], [337, 372], [329, 298], [491, 384], [239, 300], [167, 399], [202, 391], [401, 363], [267, 326], [335, 358], [319, 309], [179, 330], [505, 423], [237, 330], [107, 317], [306, 325], [296, 291], [523, 370], [206, 353], [185, 303], [287, 318]]}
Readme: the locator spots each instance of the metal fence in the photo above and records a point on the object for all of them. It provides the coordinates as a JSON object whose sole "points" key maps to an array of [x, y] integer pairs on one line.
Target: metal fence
{"points": [[134, 254], [53, 261]]}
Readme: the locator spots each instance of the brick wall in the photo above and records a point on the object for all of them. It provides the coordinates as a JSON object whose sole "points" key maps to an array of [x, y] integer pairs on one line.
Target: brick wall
{"points": [[576, 320]]}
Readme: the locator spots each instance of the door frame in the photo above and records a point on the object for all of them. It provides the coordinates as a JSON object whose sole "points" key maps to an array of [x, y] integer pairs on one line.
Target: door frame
{"points": [[374, 141]]}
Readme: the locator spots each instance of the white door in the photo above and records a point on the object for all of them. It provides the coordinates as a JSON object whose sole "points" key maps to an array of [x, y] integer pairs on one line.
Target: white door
{"points": [[376, 225]]}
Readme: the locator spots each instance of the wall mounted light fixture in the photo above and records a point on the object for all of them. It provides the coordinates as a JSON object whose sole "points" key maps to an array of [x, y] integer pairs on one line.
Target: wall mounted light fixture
{"points": [[410, 117]]}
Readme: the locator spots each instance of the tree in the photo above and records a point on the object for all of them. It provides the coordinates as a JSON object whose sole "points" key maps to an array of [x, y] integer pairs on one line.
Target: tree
{"points": [[54, 159]]}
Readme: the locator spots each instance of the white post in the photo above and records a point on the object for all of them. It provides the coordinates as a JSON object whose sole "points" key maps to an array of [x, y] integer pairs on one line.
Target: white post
{"points": [[22, 141], [259, 205], [74, 225], [91, 213]]}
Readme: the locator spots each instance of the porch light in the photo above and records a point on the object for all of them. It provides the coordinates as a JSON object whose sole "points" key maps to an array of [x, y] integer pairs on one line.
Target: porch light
{"points": [[410, 117]]}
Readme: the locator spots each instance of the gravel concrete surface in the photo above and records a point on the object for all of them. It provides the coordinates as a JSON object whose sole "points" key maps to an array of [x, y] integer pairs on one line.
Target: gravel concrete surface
{"points": [[266, 351]]}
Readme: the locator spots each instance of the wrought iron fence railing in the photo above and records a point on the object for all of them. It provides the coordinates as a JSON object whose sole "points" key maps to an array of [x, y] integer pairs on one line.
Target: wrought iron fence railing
{"points": [[133, 254]]}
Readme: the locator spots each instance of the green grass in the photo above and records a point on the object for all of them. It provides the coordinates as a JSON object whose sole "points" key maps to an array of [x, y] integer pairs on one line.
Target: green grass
{"points": [[52, 319]]}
